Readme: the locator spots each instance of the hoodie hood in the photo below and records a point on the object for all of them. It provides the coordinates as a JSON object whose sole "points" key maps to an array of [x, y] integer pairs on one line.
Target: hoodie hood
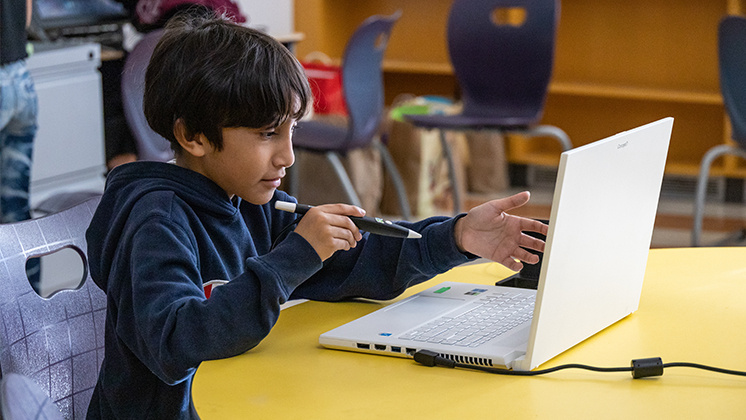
{"points": [[126, 185]]}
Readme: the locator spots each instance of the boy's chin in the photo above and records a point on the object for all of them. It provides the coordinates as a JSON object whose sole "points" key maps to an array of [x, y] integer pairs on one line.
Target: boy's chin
{"points": [[259, 200]]}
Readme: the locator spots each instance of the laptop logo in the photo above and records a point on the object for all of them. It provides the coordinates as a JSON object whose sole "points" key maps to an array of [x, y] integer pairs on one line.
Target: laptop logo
{"points": [[442, 290], [623, 145], [475, 292]]}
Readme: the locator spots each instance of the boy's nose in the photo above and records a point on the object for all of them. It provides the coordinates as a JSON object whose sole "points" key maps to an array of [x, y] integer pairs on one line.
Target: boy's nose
{"points": [[286, 156]]}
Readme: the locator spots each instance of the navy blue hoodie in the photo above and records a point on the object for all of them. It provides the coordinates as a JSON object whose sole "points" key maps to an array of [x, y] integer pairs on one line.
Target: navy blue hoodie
{"points": [[161, 231]]}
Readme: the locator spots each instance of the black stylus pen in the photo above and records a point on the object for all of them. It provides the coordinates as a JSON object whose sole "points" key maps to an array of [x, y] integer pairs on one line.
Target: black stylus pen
{"points": [[374, 225]]}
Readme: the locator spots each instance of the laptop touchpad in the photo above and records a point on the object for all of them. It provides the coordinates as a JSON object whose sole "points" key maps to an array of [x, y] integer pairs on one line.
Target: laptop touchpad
{"points": [[420, 308]]}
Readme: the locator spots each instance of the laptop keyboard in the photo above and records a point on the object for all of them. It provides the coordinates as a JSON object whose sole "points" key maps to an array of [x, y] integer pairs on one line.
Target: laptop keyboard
{"points": [[476, 323]]}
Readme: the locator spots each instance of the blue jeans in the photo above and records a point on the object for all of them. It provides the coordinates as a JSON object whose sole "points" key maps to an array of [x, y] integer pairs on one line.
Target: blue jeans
{"points": [[18, 110]]}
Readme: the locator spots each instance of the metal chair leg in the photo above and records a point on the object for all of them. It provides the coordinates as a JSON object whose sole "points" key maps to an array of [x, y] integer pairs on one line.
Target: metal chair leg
{"points": [[704, 174], [453, 177], [401, 192], [536, 131], [344, 179]]}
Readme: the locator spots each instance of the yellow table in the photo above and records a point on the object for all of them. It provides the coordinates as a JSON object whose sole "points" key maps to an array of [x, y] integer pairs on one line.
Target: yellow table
{"points": [[693, 309]]}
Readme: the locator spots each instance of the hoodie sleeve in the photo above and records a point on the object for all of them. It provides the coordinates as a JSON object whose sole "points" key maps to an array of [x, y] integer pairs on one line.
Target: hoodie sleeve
{"points": [[173, 326], [381, 267]]}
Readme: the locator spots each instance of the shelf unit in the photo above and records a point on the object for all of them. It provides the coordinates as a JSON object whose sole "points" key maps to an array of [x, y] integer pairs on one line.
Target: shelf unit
{"points": [[617, 65]]}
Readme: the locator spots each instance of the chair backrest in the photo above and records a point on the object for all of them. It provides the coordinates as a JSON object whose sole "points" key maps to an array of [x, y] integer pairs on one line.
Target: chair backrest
{"points": [[58, 341], [502, 52], [150, 145], [362, 77], [22, 399], [732, 57]]}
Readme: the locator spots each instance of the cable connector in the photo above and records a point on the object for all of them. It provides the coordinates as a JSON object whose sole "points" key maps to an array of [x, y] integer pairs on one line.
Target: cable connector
{"points": [[431, 358], [642, 368]]}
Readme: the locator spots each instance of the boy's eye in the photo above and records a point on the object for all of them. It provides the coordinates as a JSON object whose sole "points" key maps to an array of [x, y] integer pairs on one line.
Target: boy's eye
{"points": [[268, 134]]}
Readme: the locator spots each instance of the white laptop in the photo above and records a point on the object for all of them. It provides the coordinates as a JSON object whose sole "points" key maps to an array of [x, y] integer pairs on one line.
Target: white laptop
{"points": [[601, 224]]}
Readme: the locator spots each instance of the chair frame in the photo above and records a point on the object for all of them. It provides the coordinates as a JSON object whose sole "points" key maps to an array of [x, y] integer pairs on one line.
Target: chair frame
{"points": [[57, 341], [731, 38], [364, 117]]}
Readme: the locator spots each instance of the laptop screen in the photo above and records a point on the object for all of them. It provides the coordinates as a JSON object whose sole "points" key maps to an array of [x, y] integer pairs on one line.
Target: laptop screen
{"points": [[53, 14]]}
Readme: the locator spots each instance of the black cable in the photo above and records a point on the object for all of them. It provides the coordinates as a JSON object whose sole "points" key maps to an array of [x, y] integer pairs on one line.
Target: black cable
{"points": [[705, 367], [640, 368], [543, 371], [284, 232]]}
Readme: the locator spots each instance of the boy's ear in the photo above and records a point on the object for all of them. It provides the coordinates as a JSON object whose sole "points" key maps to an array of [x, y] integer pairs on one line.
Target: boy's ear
{"points": [[196, 145]]}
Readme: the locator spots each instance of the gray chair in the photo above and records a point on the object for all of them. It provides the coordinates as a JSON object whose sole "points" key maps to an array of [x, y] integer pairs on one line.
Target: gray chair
{"points": [[150, 145], [732, 65], [22, 399], [58, 342]]}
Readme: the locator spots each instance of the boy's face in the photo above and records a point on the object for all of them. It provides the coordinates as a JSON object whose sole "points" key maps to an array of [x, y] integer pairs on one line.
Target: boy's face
{"points": [[252, 162]]}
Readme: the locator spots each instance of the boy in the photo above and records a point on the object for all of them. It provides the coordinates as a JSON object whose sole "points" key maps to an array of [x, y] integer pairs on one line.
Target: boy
{"points": [[227, 98]]}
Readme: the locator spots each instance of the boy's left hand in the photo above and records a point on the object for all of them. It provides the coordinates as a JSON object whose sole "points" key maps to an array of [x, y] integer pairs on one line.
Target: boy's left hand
{"points": [[489, 232]]}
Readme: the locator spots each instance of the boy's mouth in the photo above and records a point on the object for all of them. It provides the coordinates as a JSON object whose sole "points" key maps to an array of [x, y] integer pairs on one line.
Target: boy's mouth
{"points": [[275, 182]]}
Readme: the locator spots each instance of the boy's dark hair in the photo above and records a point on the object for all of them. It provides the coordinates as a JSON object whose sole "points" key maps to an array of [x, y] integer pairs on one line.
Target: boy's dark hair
{"points": [[215, 74]]}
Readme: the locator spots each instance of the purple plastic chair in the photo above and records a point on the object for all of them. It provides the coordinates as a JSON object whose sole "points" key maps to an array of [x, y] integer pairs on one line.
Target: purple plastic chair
{"points": [[150, 145], [362, 88], [58, 342], [502, 53]]}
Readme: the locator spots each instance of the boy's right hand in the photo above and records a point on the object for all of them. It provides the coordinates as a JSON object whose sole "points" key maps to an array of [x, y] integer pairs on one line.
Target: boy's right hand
{"points": [[328, 229]]}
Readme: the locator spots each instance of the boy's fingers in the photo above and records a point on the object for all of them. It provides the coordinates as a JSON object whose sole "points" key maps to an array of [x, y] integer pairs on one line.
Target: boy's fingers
{"points": [[532, 243], [344, 222], [347, 236], [538, 227], [526, 256], [515, 201], [511, 263], [343, 209]]}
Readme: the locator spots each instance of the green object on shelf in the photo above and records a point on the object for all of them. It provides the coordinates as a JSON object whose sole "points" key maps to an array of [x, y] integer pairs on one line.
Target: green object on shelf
{"points": [[399, 112]]}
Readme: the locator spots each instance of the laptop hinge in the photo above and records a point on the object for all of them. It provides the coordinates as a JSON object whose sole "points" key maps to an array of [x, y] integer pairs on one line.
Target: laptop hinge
{"points": [[517, 362]]}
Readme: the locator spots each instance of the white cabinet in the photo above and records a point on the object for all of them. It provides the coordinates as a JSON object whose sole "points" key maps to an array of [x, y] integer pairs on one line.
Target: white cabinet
{"points": [[69, 145], [272, 16]]}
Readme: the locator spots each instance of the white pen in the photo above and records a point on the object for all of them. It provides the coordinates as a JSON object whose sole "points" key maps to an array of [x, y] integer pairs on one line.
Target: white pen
{"points": [[374, 225]]}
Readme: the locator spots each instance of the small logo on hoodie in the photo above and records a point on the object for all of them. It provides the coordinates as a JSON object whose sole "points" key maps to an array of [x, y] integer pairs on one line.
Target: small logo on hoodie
{"points": [[211, 285]]}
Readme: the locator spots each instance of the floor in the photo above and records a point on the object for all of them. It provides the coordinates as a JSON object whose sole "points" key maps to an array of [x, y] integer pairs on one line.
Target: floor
{"points": [[673, 223]]}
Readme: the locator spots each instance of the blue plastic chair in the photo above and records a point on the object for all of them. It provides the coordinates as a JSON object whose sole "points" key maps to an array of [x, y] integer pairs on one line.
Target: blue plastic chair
{"points": [[732, 64], [362, 89], [502, 53], [150, 145], [58, 342]]}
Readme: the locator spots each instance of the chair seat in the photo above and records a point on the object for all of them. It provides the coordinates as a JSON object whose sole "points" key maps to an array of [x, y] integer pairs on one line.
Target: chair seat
{"points": [[466, 122], [320, 136]]}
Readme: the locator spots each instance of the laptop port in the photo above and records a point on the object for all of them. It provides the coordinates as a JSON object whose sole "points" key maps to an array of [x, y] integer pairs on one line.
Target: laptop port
{"points": [[363, 346], [411, 351], [381, 347], [396, 349]]}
